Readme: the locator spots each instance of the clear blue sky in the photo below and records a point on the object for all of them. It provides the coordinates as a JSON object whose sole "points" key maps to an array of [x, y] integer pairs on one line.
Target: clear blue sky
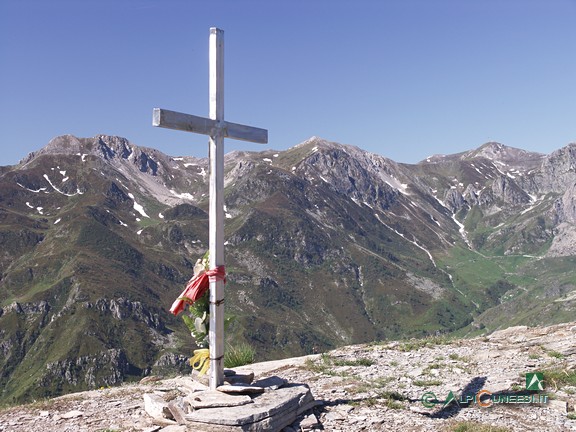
{"points": [[401, 78]]}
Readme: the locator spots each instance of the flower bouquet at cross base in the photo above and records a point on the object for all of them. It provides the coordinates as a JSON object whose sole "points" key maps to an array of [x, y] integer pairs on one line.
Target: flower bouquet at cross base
{"points": [[197, 296]]}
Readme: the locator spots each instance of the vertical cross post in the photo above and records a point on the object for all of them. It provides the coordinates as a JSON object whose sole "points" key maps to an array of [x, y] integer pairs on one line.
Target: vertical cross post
{"points": [[217, 129], [216, 238]]}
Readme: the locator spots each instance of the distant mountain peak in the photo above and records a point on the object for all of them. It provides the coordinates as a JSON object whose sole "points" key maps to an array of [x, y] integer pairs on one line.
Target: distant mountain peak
{"points": [[316, 141], [104, 146], [111, 146], [493, 151], [501, 153]]}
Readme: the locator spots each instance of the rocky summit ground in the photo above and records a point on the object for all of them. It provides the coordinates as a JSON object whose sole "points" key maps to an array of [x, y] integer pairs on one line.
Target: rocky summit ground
{"points": [[403, 386]]}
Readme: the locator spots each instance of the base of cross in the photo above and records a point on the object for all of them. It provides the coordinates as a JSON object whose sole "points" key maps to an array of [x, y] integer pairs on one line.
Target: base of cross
{"points": [[240, 404]]}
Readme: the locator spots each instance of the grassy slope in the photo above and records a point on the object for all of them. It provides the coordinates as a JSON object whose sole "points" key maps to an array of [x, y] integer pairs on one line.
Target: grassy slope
{"points": [[308, 271]]}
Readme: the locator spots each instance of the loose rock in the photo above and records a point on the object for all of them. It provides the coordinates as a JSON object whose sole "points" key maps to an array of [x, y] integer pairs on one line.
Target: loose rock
{"points": [[378, 388]]}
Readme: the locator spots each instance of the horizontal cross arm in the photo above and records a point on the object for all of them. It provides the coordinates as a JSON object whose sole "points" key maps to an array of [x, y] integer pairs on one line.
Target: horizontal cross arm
{"points": [[184, 122], [201, 125], [245, 133]]}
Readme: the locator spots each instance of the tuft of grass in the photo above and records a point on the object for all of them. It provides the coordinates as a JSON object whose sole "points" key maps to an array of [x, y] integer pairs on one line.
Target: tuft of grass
{"points": [[516, 387], [362, 361], [390, 399], [555, 354], [317, 367], [558, 378], [327, 362], [382, 381], [435, 365], [239, 355], [457, 357], [472, 426], [392, 395], [371, 401], [426, 383], [392, 404], [416, 344], [366, 386], [534, 356], [324, 366]]}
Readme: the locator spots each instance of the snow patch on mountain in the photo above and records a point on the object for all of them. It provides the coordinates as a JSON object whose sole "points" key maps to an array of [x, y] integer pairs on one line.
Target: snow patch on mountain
{"points": [[78, 191], [138, 207]]}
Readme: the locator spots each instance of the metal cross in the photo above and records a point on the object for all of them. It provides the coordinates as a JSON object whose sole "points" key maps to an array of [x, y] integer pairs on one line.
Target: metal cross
{"points": [[217, 129]]}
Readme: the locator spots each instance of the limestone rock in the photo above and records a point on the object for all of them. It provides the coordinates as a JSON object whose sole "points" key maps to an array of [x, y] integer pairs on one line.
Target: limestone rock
{"points": [[177, 412], [558, 405], [174, 428], [235, 378], [156, 407], [215, 399], [309, 422], [271, 383], [191, 384], [72, 414], [268, 411], [239, 389]]}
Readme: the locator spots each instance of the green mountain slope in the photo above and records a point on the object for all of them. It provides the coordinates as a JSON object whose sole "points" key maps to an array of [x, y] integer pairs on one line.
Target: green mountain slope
{"points": [[326, 245]]}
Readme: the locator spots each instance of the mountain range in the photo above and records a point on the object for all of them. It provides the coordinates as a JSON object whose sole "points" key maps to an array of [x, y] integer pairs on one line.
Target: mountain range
{"points": [[326, 245]]}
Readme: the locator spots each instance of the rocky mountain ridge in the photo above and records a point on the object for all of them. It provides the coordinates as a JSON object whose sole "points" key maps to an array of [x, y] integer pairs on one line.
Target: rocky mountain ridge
{"points": [[327, 245]]}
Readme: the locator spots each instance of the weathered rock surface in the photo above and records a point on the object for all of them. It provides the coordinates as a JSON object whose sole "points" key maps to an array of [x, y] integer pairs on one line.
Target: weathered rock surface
{"points": [[363, 387]]}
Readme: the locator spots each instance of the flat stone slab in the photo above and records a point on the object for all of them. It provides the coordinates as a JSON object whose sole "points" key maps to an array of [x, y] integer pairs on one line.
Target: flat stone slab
{"points": [[271, 383], [239, 379], [270, 411], [215, 399], [239, 389]]}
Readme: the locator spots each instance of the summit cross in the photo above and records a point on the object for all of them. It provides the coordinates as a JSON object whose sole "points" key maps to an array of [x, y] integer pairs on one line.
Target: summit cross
{"points": [[217, 129]]}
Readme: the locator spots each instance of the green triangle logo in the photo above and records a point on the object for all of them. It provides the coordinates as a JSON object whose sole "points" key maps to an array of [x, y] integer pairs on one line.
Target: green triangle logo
{"points": [[534, 381], [449, 399]]}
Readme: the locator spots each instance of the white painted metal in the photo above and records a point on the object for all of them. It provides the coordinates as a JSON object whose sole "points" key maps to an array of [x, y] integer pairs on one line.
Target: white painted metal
{"points": [[202, 125], [216, 334], [216, 128]]}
